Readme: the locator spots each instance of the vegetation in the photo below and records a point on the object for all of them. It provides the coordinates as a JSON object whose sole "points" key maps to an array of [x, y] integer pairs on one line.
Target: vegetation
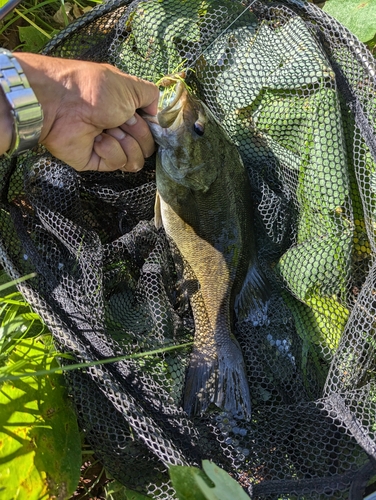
{"points": [[358, 16], [43, 453], [32, 24]]}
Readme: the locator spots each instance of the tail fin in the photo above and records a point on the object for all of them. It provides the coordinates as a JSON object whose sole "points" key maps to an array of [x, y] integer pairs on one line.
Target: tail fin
{"points": [[251, 304], [220, 379]]}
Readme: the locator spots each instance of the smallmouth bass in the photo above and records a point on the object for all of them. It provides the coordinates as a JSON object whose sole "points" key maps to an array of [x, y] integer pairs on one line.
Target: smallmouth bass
{"points": [[204, 204]]}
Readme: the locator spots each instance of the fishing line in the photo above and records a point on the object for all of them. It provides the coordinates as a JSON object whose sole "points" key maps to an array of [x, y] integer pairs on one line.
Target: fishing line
{"points": [[222, 32]]}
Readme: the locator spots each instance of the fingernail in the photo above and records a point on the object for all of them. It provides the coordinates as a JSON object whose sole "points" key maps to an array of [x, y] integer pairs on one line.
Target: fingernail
{"points": [[98, 138], [118, 133], [131, 120]]}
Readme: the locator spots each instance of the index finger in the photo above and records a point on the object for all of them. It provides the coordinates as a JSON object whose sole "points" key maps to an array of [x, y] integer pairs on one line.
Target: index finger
{"points": [[140, 131]]}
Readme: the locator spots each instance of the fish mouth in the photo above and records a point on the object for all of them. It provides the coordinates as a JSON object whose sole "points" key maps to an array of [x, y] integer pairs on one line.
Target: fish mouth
{"points": [[168, 125], [150, 118], [159, 133], [181, 108], [175, 96], [172, 116], [168, 114]]}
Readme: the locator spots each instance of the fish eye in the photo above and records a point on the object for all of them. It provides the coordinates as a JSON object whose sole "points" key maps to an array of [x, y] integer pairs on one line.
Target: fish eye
{"points": [[199, 128]]}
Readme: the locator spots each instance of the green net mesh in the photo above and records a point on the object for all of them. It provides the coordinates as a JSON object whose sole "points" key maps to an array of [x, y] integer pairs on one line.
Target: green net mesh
{"points": [[296, 93]]}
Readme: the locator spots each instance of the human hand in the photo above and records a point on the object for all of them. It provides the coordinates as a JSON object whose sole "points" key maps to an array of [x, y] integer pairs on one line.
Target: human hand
{"points": [[90, 119]]}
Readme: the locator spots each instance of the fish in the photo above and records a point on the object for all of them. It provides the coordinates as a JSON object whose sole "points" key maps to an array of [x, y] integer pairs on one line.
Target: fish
{"points": [[204, 204]]}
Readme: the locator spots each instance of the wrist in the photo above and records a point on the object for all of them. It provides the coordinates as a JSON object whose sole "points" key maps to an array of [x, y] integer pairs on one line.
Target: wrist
{"points": [[6, 124], [25, 110], [40, 73]]}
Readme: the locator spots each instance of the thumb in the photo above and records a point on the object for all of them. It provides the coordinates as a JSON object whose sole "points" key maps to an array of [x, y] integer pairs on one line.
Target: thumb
{"points": [[146, 96]]}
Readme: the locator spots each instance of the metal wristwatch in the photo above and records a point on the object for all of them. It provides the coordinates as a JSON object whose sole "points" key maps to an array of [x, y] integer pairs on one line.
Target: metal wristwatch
{"points": [[26, 110]]}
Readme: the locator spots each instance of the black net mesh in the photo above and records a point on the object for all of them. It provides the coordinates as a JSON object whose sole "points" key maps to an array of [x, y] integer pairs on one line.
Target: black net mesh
{"points": [[296, 92]]}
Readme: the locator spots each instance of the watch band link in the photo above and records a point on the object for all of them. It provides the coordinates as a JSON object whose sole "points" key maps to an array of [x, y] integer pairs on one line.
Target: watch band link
{"points": [[26, 110]]}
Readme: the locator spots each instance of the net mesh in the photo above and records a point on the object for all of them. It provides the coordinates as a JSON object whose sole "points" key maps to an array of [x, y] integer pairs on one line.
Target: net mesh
{"points": [[296, 93]]}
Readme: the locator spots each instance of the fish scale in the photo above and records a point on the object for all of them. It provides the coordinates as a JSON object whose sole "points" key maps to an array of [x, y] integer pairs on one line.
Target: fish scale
{"points": [[204, 204]]}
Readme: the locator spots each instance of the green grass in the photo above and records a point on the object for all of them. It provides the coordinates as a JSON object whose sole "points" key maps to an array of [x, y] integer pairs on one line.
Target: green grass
{"points": [[32, 24], [17, 320]]}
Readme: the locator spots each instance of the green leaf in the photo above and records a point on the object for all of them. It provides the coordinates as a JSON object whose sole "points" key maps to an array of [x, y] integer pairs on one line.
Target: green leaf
{"points": [[116, 491], [357, 15], [372, 44], [318, 266], [32, 38], [184, 481], [225, 487], [40, 456], [191, 483], [320, 323], [158, 29]]}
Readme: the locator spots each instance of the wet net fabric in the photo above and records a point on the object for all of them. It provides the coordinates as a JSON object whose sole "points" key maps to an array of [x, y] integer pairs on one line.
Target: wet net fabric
{"points": [[296, 93]]}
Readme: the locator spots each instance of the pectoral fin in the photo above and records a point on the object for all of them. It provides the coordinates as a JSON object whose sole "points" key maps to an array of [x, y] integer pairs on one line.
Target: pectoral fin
{"points": [[252, 302], [157, 212]]}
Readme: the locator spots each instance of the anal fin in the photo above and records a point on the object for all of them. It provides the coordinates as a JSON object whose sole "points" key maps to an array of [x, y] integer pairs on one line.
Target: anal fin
{"points": [[251, 304], [157, 211]]}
